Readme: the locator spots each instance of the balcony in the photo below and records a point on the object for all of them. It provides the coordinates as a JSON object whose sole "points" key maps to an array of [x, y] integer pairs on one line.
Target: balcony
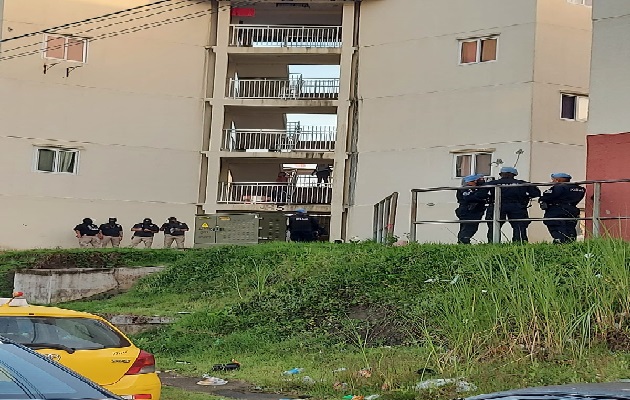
{"points": [[274, 193], [285, 36], [293, 88], [292, 139]]}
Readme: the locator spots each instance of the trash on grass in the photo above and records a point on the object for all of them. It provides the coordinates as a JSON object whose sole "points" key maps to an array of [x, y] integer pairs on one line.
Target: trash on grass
{"points": [[340, 370], [365, 373], [308, 380], [372, 397], [293, 371], [460, 385], [340, 386], [182, 362], [231, 366], [211, 381]]}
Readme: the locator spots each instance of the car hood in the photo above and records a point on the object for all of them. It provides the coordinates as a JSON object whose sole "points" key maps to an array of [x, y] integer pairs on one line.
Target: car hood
{"points": [[619, 390]]}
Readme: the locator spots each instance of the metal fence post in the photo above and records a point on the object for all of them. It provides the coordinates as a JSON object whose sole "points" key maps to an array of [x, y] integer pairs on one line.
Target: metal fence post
{"points": [[597, 195], [392, 215], [496, 216], [375, 224], [414, 215]]}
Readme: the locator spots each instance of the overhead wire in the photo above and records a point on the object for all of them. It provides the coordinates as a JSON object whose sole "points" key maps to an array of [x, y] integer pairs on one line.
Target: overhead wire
{"points": [[125, 31]]}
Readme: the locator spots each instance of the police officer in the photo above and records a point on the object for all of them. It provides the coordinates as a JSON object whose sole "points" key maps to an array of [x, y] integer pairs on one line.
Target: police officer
{"points": [[144, 232], [472, 201], [303, 227], [174, 232], [560, 201], [514, 203], [87, 233], [111, 232]]}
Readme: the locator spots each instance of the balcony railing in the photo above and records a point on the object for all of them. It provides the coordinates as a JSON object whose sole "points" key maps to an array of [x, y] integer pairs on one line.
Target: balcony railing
{"points": [[308, 138], [274, 193], [288, 89], [285, 36]]}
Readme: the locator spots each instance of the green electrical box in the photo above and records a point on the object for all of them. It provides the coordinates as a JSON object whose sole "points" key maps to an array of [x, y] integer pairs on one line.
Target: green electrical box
{"points": [[217, 229]]}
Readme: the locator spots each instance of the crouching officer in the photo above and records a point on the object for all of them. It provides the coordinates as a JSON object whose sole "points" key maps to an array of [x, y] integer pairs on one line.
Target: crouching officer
{"points": [[472, 204], [144, 233], [514, 203], [560, 201], [111, 232], [303, 227], [87, 233]]}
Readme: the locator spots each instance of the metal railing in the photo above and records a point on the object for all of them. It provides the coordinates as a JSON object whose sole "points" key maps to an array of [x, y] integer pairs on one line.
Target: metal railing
{"points": [[274, 193], [309, 138], [384, 219], [293, 88], [495, 223], [285, 36]]}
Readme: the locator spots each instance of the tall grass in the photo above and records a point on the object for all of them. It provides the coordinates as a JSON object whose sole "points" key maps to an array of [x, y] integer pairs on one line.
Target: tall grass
{"points": [[524, 304]]}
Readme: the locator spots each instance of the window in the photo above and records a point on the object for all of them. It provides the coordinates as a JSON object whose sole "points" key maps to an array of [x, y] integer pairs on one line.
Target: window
{"points": [[574, 107], [65, 48], [478, 50], [63, 161], [473, 163], [588, 3]]}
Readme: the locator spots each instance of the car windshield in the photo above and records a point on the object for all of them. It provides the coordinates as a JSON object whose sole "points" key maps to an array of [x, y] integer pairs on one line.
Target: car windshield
{"points": [[24, 375], [61, 333]]}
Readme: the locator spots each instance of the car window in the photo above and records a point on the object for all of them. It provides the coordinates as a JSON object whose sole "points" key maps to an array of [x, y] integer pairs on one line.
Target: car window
{"points": [[76, 333], [24, 375]]}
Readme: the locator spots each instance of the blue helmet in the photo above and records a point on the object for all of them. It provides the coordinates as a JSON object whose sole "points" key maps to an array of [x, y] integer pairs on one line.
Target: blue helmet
{"points": [[472, 178], [561, 175], [509, 170], [300, 211]]}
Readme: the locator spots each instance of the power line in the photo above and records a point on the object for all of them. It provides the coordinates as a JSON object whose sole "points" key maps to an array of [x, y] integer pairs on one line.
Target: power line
{"points": [[87, 20], [154, 24], [114, 23]]}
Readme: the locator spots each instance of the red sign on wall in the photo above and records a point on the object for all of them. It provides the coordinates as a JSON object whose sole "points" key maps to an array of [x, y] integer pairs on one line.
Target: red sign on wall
{"points": [[243, 12]]}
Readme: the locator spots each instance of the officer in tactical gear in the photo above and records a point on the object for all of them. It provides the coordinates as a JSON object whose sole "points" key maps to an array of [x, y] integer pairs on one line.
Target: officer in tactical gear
{"points": [[560, 201], [111, 232], [144, 232], [514, 203], [87, 233], [174, 231], [302, 227], [472, 201]]}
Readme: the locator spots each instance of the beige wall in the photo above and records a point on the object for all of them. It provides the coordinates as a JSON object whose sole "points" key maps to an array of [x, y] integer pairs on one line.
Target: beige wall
{"points": [[609, 73], [134, 111]]}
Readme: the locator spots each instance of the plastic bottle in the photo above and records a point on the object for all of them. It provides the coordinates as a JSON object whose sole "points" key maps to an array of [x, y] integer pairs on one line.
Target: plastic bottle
{"points": [[293, 371]]}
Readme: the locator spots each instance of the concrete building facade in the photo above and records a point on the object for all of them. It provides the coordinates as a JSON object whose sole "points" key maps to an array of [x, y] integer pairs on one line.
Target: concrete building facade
{"points": [[195, 107]]}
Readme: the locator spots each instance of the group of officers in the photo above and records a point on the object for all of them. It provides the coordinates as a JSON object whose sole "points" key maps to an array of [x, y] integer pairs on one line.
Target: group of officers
{"points": [[111, 233], [476, 198]]}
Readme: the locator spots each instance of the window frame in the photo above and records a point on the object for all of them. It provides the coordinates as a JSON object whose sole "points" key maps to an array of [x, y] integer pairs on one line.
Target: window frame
{"points": [[55, 166], [479, 41], [66, 38], [473, 162], [576, 108]]}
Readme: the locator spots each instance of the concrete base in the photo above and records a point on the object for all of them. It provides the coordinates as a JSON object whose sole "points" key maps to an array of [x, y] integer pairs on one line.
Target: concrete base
{"points": [[47, 286]]}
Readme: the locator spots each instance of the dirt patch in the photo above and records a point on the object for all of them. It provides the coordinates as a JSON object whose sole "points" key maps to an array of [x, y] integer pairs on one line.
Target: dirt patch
{"points": [[233, 389], [618, 340], [378, 325], [79, 260]]}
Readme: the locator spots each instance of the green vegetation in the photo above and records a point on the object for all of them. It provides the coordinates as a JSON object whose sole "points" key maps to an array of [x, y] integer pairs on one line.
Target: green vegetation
{"points": [[497, 316]]}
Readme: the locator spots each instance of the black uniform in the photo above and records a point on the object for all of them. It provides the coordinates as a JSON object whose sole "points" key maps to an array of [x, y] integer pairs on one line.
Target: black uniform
{"points": [[472, 204], [560, 201], [153, 229], [111, 229], [174, 228], [514, 204], [87, 229], [303, 228]]}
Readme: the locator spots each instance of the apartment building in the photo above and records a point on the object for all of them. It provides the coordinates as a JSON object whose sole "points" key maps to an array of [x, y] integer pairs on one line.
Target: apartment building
{"points": [[188, 107], [609, 122]]}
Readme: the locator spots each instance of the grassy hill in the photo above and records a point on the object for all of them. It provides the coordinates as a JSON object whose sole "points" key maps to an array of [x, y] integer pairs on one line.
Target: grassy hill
{"points": [[496, 316]]}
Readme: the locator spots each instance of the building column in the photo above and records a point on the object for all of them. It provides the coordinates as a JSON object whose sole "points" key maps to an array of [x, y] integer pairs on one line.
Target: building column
{"points": [[1, 19], [217, 103], [345, 91]]}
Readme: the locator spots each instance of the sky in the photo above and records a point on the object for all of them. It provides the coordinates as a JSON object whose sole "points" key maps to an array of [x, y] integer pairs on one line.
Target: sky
{"points": [[314, 71]]}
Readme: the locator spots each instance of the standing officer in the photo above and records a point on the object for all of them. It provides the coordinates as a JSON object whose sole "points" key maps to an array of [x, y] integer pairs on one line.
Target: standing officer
{"points": [[174, 232], [514, 203], [472, 204], [87, 233], [144, 232], [110, 232], [560, 201], [303, 227]]}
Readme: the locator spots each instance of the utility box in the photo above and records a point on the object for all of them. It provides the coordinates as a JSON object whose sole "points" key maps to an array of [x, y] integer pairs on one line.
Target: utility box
{"points": [[217, 229], [272, 227]]}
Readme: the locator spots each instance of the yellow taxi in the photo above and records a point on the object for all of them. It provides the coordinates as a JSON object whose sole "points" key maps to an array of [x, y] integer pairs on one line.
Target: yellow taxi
{"points": [[84, 342]]}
